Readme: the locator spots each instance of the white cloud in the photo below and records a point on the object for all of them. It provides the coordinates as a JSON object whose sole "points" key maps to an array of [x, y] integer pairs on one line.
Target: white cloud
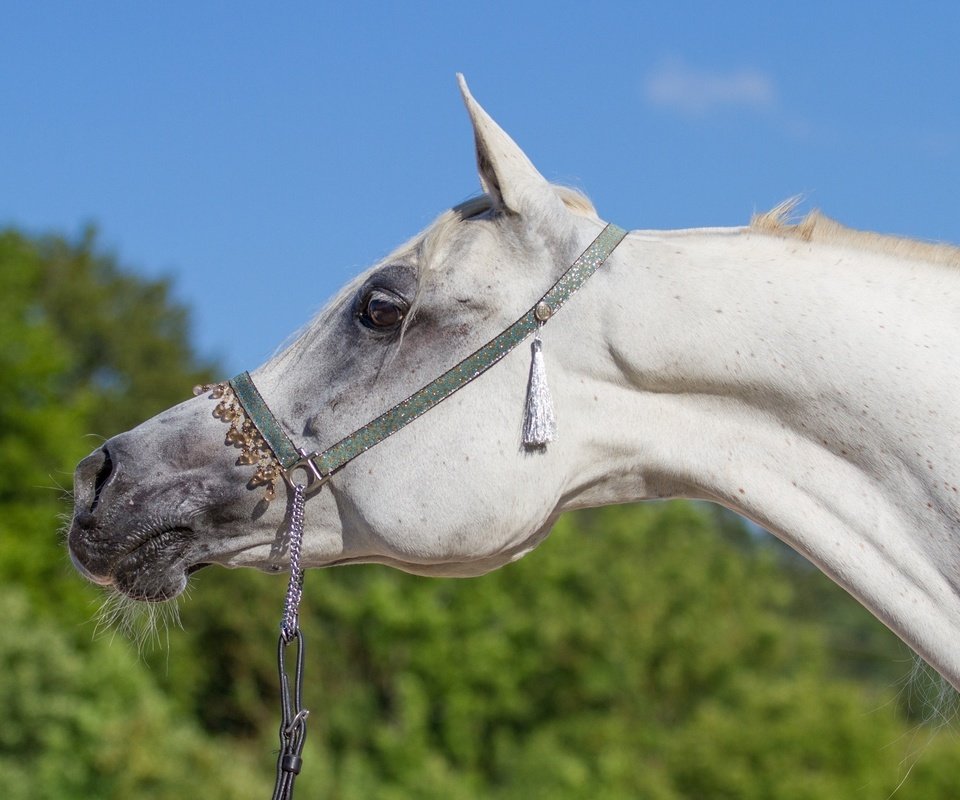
{"points": [[680, 87]]}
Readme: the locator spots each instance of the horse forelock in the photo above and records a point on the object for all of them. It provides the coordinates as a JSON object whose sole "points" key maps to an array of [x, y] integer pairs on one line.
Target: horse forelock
{"points": [[423, 252], [429, 244], [448, 223], [817, 227], [576, 201]]}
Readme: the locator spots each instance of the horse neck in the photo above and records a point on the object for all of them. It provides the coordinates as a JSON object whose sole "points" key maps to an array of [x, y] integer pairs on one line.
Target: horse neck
{"points": [[810, 388]]}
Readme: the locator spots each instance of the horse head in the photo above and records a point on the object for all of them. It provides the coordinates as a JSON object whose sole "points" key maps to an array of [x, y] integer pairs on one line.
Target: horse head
{"points": [[453, 493]]}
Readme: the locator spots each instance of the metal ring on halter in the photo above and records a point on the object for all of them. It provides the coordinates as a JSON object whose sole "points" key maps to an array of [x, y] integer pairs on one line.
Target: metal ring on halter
{"points": [[315, 477]]}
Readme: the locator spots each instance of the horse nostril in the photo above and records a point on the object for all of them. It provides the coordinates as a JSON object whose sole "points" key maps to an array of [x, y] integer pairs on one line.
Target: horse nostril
{"points": [[103, 475], [86, 520], [90, 480]]}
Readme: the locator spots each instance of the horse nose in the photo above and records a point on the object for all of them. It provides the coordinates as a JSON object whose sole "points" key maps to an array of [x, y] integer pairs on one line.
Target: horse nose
{"points": [[86, 520], [92, 476]]}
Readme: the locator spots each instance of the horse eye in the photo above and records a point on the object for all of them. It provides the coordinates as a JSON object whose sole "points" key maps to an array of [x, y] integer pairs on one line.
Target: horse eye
{"points": [[382, 310]]}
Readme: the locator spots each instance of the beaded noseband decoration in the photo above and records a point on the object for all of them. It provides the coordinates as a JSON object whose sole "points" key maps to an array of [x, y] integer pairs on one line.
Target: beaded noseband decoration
{"points": [[244, 435], [263, 443]]}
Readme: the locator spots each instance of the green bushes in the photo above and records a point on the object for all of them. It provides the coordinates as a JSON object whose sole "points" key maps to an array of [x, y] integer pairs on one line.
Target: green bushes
{"points": [[86, 720]]}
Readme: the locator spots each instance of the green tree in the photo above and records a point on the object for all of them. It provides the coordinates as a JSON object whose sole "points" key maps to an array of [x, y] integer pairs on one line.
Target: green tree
{"points": [[126, 341], [41, 422], [82, 719], [89, 350], [82, 723]]}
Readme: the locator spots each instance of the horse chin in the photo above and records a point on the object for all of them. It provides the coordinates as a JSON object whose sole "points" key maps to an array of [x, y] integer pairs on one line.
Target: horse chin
{"points": [[151, 587], [152, 569]]}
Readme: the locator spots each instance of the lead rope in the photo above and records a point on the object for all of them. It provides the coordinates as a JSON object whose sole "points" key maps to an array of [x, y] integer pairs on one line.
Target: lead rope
{"points": [[293, 718]]}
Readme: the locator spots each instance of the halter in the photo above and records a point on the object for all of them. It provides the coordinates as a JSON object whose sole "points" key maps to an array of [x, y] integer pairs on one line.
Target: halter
{"points": [[260, 435]]}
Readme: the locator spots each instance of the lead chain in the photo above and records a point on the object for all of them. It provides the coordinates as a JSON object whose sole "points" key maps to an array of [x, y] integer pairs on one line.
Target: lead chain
{"points": [[293, 722], [291, 606]]}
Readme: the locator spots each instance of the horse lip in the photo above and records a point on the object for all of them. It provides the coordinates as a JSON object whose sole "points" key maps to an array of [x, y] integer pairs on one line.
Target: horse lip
{"points": [[100, 580], [151, 548], [127, 571], [155, 568]]}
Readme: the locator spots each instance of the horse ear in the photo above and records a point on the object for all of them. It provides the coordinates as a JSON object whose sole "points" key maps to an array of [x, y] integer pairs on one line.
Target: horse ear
{"points": [[506, 174]]}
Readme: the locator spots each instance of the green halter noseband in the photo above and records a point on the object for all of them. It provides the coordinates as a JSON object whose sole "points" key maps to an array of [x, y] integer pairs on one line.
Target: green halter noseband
{"points": [[320, 465]]}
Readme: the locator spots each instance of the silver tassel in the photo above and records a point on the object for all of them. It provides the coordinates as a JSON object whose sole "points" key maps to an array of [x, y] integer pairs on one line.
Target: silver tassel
{"points": [[539, 421]]}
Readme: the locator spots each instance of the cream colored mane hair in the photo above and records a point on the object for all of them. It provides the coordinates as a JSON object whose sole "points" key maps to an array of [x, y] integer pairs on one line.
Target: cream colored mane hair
{"points": [[816, 227]]}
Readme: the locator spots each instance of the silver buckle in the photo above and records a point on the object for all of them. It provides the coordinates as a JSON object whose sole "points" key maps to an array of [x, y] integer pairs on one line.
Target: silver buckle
{"points": [[315, 478]]}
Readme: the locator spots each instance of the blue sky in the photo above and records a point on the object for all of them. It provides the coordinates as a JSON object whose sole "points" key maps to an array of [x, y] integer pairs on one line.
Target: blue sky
{"points": [[261, 154]]}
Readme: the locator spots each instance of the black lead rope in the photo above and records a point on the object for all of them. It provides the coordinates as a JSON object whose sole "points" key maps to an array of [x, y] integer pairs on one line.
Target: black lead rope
{"points": [[293, 721], [293, 716]]}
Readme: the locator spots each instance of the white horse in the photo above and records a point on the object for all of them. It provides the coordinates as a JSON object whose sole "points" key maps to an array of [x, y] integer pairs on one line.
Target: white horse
{"points": [[806, 376]]}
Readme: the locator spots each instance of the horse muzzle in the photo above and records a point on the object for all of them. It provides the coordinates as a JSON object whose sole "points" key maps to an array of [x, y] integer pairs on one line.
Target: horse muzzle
{"points": [[144, 560]]}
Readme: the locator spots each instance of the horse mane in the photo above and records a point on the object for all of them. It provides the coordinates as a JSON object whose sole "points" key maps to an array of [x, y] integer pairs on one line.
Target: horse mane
{"points": [[449, 221], [817, 227], [575, 201]]}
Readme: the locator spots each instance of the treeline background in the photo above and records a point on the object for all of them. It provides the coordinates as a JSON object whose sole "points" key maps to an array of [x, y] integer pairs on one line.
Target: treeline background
{"points": [[659, 651]]}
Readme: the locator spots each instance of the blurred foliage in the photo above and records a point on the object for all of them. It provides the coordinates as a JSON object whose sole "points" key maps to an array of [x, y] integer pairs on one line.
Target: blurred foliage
{"points": [[89, 350], [114, 338], [660, 651], [89, 722]]}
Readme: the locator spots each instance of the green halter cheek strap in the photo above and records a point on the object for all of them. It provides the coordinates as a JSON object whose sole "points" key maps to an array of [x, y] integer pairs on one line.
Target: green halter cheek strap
{"points": [[320, 465]]}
